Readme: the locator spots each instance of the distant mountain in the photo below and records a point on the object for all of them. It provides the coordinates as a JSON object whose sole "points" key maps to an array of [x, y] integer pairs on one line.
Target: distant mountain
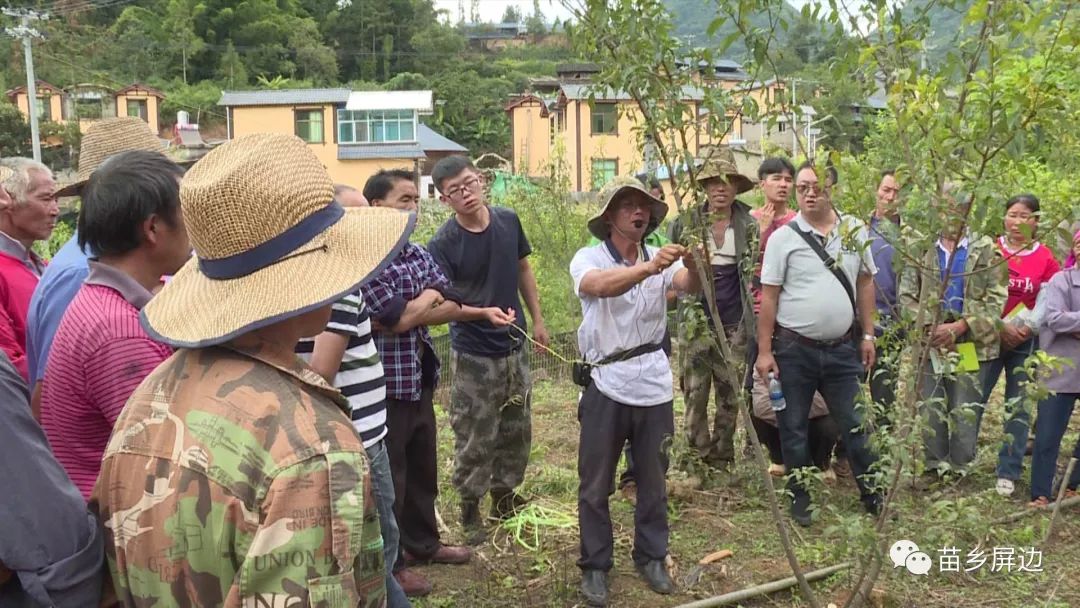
{"points": [[692, 19]]}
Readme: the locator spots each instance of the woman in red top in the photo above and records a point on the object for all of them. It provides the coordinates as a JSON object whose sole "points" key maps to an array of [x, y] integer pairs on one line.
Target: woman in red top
{"points": [[1030, 265]]}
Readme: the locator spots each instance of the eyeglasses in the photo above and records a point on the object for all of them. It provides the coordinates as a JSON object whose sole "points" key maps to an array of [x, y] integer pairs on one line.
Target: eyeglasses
{"points": [[805, 188], [472, 184]]}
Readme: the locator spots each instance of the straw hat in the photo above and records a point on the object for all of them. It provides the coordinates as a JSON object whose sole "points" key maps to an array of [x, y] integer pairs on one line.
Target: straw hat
{"points": [[720, 162], [105, 138], [620, 186], [5, 174], [269, 242]]}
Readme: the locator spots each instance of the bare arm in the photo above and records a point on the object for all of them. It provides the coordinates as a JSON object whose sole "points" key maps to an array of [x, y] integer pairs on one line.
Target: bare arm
{"points": [[770, 295], [418, 311], [327, 354], [612, 282], [864, 290], [529, 292]]}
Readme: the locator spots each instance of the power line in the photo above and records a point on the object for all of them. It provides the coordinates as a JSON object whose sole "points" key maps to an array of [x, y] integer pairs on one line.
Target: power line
{"points": [[100, 75]]}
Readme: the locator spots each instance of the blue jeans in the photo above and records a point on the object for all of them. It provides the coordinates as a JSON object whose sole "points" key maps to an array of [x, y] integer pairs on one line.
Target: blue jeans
{"points": [[1054, 414], [382, 487], [835, 372], [1011, 454], [952, 421]]}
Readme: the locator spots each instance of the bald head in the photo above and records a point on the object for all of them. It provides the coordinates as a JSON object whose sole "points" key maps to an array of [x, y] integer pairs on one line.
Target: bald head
{"points": [[347, 196]]}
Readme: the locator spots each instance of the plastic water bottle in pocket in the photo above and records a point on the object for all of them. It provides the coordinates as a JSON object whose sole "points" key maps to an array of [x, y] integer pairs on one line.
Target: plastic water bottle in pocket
{"points": [[776, 394]]}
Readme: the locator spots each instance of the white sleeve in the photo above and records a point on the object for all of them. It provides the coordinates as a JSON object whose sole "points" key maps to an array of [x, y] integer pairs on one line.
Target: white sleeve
{"points": [[868, 265], [671, 271], [584, 261], [774, 263]]}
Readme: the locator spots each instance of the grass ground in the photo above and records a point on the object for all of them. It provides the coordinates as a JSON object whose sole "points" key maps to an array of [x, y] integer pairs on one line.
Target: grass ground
{"points": [[536, 566]]}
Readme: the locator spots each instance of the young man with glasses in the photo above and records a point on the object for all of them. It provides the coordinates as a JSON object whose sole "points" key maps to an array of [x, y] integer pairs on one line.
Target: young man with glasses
{"points": [[483, 251], [806, 331]]}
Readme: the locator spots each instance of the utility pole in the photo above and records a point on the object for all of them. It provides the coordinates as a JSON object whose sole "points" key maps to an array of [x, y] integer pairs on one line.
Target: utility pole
{"points": [[794, 122], [25, 32]]}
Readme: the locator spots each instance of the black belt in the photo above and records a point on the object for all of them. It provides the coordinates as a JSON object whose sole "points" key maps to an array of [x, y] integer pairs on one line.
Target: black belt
{"points": [[783, 332]]}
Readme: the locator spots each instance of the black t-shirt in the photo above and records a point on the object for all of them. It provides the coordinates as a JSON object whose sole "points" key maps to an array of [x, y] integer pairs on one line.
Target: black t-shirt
{"points": [[483, 266]]}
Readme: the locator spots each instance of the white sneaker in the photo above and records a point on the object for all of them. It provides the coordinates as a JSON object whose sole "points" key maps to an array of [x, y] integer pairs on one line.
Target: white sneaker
{"points": [[1005, 487]]}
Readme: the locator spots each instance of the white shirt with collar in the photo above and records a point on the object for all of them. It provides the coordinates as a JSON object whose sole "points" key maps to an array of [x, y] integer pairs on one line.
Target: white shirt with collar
{"points": [[620, 323], [812, 300]]}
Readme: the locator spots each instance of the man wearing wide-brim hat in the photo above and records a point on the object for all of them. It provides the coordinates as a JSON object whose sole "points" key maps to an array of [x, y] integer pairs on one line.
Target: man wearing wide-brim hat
{"points": [[723, 223], [69, 267], [628, 391], [234, 475]]}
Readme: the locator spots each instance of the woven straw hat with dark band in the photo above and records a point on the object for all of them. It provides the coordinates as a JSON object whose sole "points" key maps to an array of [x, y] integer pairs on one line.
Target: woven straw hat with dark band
{"points": [[269, 241], [105, 138], [719, 161], [620, 186]]}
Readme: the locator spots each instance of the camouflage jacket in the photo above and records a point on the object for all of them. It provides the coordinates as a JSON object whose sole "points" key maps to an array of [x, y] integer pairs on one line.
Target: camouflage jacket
{"points": [[985, 292], [233, 481]]}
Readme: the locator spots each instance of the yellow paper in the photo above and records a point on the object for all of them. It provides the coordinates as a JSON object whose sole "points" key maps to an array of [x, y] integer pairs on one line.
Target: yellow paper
{"points": [[969, 360], [1018, 309]]}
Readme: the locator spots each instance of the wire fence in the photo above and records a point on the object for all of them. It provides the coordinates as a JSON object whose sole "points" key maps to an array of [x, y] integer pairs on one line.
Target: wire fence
{"points": [[543, 365]]}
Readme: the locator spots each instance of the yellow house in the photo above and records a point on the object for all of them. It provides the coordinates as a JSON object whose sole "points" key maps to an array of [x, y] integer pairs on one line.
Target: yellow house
{"points": [[141, 101], [354, 134], [87, 103], [597, 138], [50, 101]]}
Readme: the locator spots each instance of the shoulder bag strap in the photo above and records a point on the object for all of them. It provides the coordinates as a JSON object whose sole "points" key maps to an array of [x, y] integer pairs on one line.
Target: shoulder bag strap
{"points": [[828, 260]]}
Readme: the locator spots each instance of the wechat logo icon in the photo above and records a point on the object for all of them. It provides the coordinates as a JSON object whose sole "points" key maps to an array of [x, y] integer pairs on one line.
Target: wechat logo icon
{"points": [[907, 554]]}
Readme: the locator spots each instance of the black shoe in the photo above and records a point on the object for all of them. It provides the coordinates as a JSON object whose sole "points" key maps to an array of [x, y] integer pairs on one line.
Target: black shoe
{"points": [[594, 587], [655, 573], [470, 521], [506, 504], [873, 504], [800, 510]]}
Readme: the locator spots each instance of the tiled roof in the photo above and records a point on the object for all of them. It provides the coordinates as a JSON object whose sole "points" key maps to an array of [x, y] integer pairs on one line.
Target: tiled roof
{"points": [[283, 97], [366, 151]]}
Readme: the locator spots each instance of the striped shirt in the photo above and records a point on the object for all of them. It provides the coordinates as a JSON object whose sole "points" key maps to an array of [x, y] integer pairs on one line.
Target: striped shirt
{"points": [[100, 354], [360, 376]]}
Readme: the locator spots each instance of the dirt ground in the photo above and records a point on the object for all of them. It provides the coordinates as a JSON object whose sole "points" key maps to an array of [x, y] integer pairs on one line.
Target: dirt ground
{"points": [[531, 562]]}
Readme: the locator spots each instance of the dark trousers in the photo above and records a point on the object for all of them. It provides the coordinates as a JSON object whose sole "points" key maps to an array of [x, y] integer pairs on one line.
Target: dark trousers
{"points": [[605, 427], [833, 371], [822, 436], [1054, 414], [411, 444]]}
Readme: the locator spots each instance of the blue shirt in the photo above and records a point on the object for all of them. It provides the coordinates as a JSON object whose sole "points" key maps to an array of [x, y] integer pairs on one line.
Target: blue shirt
{"points": [[49, 538], [885, 279], [954, 293], [57, 288]]}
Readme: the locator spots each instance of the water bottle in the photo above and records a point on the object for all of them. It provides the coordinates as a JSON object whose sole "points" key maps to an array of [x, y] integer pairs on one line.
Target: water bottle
{"points": [[776, 394]]}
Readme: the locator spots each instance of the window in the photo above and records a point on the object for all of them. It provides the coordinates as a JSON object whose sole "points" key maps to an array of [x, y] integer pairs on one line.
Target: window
{"points": [[89, 108], [605, 119], [781, 126], [137, 108], [376, 126], [603, 171], [44, 108], [309, 125]]}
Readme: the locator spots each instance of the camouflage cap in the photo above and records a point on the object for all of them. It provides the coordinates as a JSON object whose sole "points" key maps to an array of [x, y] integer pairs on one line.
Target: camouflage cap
{"points": [[617, 188], [719, 161]]}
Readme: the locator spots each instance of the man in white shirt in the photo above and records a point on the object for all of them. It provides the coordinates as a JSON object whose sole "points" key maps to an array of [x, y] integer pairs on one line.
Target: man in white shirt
{"points": [[806, 331], [622, 286]]}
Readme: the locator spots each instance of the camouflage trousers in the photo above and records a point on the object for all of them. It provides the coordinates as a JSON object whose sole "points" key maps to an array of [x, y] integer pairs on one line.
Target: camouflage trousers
{"points": [[491, 415], [704, 370]]}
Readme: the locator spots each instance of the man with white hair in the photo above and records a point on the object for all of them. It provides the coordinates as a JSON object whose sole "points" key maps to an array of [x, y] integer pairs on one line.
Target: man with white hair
{"points": [[28, 213]]}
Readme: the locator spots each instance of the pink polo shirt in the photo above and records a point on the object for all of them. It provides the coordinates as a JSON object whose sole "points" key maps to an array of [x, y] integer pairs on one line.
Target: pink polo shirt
{"points": [[99, 356]]}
